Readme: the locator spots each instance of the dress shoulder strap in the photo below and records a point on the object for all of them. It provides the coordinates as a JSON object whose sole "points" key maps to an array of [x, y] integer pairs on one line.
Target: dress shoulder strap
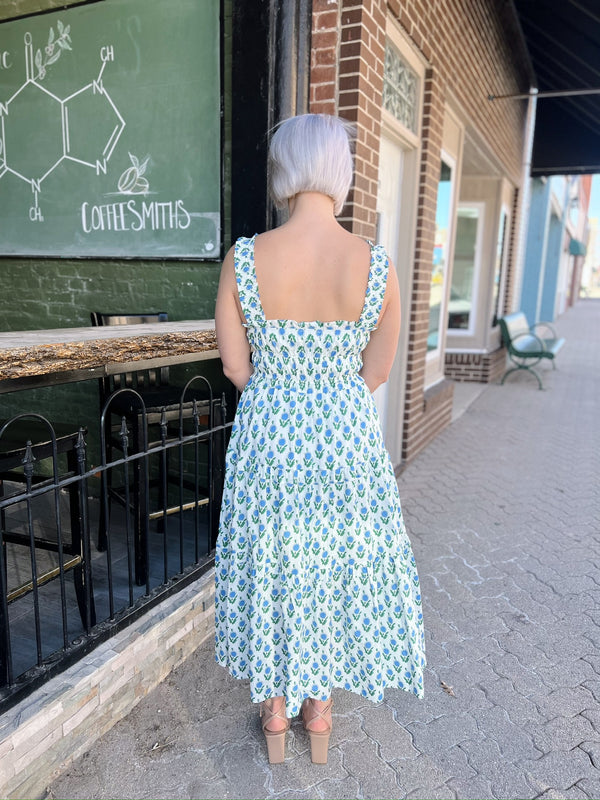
{"points": [[245, 276], [376, 285]]}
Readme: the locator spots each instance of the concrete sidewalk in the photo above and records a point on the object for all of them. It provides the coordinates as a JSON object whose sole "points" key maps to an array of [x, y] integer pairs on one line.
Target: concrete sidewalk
{"points": [[503, 511]]}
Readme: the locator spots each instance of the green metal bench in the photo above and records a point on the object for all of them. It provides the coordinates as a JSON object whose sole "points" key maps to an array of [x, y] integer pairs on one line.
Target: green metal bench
{"points": [[528, 346]]}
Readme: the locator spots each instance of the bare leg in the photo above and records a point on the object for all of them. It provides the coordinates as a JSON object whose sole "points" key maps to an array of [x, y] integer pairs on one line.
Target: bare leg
{"points": [[276, 705], [317, 723]]}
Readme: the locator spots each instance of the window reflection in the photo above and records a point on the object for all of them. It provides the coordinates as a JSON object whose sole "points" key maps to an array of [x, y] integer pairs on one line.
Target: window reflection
{"points": [[440, 254], [460, 306]]}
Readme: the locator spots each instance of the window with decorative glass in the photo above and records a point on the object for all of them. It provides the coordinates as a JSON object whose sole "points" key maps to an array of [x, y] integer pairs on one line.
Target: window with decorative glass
{"points": [[400, 89]]}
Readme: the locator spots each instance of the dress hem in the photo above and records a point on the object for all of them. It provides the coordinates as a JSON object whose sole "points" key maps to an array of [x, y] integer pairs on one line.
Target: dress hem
{"points": [[267, 693]]}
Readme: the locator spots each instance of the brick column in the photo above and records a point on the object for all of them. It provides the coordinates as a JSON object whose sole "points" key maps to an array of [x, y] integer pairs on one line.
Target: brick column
{"points": [[361, 59], [426, 413], [512, 245], [325, 46]]}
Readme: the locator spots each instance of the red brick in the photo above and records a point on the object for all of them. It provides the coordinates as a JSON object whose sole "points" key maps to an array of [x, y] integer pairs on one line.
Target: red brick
{"points": [[323, 40], [349, 82], [350, 65], [324, 91], [351, 16], [325, 56], [351, 34], [349, 50], [349, 98], [323, 107], [322, 74], [326, 19]]}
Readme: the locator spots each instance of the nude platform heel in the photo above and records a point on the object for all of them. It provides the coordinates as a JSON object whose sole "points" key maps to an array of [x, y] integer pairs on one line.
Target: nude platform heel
{"points": [[275, 739], [319, 740]]}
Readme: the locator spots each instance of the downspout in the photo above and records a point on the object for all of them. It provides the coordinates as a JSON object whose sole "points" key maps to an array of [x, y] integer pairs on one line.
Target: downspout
{"points": [[525, 203]]}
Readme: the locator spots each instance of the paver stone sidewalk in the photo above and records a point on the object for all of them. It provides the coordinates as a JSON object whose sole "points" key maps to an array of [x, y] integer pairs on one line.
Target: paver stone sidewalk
{"points": [[503, 510]]}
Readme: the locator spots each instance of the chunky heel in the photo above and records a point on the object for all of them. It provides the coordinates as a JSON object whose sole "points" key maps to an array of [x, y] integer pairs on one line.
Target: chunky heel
{"points": [[275, 739], [319, 746], [275, 746], [319, 740]]}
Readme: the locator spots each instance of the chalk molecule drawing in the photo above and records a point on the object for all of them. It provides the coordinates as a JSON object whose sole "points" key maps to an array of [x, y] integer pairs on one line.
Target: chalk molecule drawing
{"points": [[53, 135]]}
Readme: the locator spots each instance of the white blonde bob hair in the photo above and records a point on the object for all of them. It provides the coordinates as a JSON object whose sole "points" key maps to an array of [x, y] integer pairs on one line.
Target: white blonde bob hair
{"points": [[311, 153]]}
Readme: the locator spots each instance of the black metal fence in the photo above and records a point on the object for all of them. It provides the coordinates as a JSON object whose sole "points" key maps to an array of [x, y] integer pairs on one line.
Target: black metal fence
{"points": [[85, 551]]}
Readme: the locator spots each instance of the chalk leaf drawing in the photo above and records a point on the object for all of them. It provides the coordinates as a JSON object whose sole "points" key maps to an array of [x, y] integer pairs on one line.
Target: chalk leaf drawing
{"points": [[132, 181], [53, 49]]}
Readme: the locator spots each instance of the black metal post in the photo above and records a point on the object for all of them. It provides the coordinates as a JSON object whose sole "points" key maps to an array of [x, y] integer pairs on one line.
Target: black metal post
{"points": [[270, 79]]}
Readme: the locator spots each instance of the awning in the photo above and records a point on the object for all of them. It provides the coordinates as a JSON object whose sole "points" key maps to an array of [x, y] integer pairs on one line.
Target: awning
{"points": [[563, 40]]}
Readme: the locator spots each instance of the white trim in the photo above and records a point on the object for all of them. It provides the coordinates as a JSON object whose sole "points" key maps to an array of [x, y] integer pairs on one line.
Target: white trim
{"points": [[415, 59], [472, 350], [416, 62], [405, 137], [479, 205], [440, 379], [434, 359], [404, 262]]}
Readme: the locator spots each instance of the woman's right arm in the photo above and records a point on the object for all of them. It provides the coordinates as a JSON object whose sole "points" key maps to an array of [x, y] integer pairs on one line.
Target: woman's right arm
{"points": [[378, 355], [232, 340]]}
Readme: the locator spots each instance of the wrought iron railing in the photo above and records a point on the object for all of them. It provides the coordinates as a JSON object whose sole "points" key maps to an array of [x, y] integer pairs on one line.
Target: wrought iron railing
{"points": [[85, 551]]}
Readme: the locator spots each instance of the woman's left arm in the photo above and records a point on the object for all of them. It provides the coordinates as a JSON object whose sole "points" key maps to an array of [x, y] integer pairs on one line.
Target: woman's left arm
{"points": [[232, 340], [378, 355]]}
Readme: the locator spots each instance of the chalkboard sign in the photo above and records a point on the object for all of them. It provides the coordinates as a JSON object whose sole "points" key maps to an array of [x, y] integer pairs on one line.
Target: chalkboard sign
{"points": [[110, 139]]}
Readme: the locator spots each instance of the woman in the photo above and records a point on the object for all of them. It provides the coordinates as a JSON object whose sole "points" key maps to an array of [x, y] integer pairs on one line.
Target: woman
{"points": [[316, 582]]}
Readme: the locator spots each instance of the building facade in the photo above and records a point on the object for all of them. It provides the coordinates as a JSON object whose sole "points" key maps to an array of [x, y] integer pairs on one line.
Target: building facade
{"points": [[438, 177], [556, 245]]}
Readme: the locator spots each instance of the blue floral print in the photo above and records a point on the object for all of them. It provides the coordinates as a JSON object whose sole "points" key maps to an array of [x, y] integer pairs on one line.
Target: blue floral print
{"points": [[316, 582]]}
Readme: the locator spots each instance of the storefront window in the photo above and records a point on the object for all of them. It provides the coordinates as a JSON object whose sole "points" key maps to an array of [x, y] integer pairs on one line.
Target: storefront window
{"points": [[443, 218], [500, 247], [460, 306], [400, 89]]}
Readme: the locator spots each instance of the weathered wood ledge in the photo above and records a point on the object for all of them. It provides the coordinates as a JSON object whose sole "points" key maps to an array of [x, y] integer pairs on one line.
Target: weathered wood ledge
{"points": [[30, 353]]}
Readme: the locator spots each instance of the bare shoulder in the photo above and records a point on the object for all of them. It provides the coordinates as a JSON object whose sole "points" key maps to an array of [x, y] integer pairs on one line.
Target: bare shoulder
{"points": [[268, 237]]}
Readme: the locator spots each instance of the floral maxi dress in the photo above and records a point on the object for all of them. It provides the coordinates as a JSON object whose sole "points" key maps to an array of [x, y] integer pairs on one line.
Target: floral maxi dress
{"points": [[316, 582]]}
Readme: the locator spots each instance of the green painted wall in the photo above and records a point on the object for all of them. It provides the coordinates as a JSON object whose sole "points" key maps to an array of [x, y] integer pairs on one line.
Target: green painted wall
{"points": [[55, 293], [51, 293]]}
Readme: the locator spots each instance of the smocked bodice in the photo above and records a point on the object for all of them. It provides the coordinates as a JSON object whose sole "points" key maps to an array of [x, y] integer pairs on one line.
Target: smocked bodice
{"points": [[291, 352]]}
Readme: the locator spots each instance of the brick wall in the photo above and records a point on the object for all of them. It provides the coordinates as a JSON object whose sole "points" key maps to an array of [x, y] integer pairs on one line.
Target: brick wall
{"points": [[325, 48], [513, 246], [473, 45], [476, 367], [470, 52], [423, 421]]}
